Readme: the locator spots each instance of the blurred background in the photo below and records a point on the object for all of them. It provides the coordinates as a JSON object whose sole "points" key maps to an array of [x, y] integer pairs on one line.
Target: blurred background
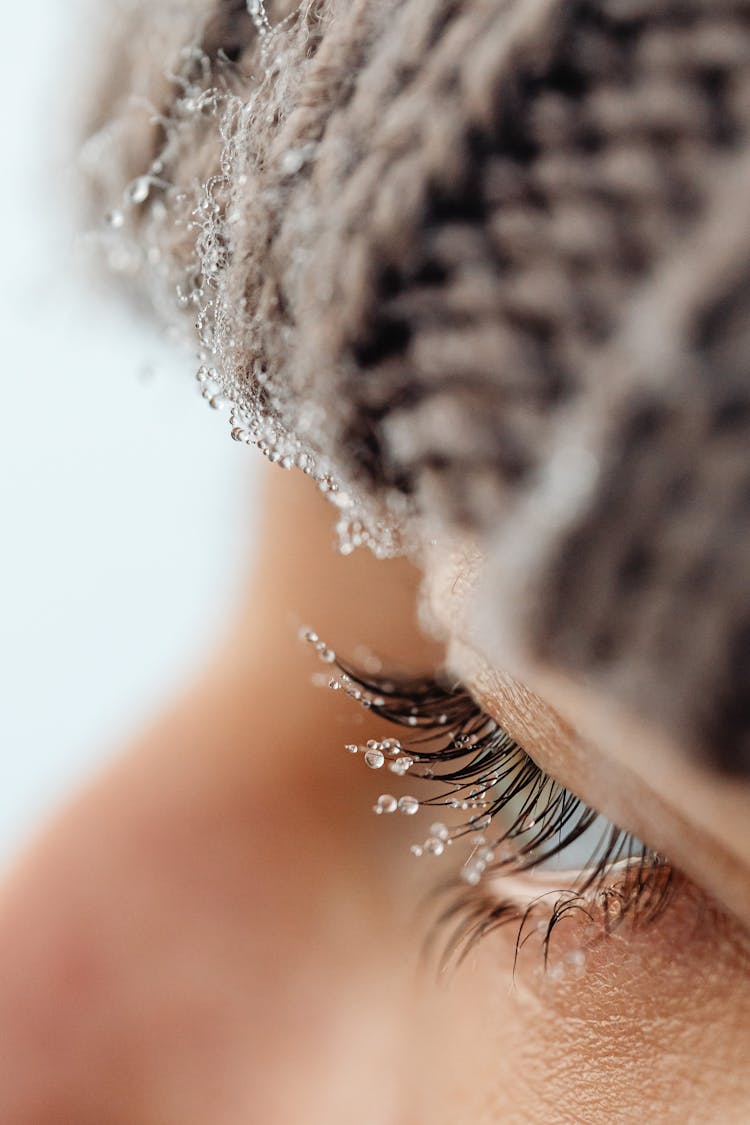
{"points": [[126, 509]]}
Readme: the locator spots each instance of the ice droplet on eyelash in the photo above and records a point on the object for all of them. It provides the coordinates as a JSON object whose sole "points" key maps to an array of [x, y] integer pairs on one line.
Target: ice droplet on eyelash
{"points": [[408, 805], [385, 804], [439, 831], [374, 759], [351, 748], [434, 846], [401, 765]]}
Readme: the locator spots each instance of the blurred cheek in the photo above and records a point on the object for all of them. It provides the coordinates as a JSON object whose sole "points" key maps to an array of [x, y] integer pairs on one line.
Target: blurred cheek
{"points": [[201, 925]]}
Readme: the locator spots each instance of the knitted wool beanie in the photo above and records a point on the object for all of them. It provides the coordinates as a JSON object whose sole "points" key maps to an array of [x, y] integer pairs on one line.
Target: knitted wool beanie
{"points": [[479, 266]]}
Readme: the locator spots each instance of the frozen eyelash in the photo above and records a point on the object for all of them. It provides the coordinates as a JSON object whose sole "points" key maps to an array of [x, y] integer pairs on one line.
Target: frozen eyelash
{"points": [[507, 813]]}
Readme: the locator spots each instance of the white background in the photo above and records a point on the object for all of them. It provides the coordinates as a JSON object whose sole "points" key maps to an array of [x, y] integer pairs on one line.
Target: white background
{"points": [[124, 505]]}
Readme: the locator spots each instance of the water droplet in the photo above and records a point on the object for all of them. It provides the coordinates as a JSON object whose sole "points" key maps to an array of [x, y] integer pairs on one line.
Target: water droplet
{"points": [[385, 803], [401, 765], [374, 759], [485, 855], [408, 805], [434, 846], [351, 748], [294, 159], [334, 685], [138, 191], [416, 850], [471, 876], [115, 219], [439, 831]]}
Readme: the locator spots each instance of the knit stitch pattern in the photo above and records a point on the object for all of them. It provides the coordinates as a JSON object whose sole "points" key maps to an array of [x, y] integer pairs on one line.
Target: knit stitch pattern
{"points": [[484, 263]]}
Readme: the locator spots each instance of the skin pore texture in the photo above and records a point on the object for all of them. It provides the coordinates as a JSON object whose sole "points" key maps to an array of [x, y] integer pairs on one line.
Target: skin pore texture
{"points": [[219, 932]]}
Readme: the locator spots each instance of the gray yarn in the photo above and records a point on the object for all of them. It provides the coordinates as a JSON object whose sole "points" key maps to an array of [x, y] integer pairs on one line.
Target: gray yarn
{"points": [[478, 265]]}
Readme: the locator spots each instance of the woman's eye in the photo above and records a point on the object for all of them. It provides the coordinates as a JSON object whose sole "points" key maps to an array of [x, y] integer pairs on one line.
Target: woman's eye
{"points": [[519, 840]]}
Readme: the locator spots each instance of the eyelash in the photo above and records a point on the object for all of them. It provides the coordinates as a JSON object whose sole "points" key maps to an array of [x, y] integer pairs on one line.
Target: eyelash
{"points": [[455, 745]]}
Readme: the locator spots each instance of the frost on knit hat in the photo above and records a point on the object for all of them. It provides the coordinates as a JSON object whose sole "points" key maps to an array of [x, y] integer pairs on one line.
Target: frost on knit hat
{"points": [[479, 266]]}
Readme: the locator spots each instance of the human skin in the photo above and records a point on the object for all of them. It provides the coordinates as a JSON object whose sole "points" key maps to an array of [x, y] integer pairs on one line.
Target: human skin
{"points": [[217, 931]]}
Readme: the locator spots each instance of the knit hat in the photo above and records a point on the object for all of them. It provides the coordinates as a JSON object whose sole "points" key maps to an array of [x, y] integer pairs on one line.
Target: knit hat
{"points": [[479, 267]]}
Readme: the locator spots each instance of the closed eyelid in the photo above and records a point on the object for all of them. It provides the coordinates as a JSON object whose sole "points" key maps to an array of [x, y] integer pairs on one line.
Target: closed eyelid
{"points": [[646, 793], [610, 757], [527, 846]]}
